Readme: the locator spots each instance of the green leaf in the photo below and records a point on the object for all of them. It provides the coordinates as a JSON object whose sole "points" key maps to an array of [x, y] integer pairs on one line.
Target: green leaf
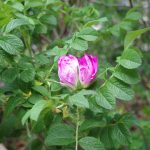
{"points": [[105, 99], [7, 127], [79, 100], [4, 58], [91, 143], [33, 3], [9, 75], [79, 44], [120, 134], [41, 59], [15, 23], [26, 117], [42, 90], [132, 35], [91, 123], [105, 136], [133, 16], [87, 34], [127, 75], [18, 6], [60, 134], [11, 104], [56, 51], [130, 59], [34, 98], [27, 75], [120, 90], [49, 19], [11, 44], [88, 37], [87, 92], [94, 22], [38, 108]]}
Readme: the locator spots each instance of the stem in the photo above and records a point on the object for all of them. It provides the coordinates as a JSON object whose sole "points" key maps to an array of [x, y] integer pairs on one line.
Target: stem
{"points": [[27, 42], [131, 4], [77, 128], [28, 130]]}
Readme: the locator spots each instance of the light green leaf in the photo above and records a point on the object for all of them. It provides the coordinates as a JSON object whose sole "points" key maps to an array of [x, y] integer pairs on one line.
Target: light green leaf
{"points": [[94, 22], [38, 108], [105, 99], [120, 90], [79, 44], [26, 117], [127, 75], [42, 90], [87, 92], [18, 6], [56, 51], [132, 35], [88, 37], [15, 23], [87, 34], [60, 134], [79, 100], [34, 98], [11, 44], [91, 143], [133, 16], [130, 59]]}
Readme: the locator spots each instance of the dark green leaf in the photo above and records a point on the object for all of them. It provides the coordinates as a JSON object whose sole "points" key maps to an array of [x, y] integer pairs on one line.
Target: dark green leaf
{"points": [[119, 89], [11, 44], [60, 134], [105, 99], [120, 134], [9, 75], [127, 75], [27, 75], [91, 123]]}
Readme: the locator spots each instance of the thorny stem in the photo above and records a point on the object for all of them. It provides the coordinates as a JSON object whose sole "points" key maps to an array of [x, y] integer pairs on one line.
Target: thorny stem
{"points": [[77, 128]]}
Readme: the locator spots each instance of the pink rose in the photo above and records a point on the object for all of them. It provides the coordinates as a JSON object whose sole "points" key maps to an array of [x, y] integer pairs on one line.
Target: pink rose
{"points": [[72, 70], [88, 66], [68, 71]]}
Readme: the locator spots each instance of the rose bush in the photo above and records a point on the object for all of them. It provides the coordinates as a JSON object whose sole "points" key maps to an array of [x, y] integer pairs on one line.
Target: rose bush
{"points": [[48, 45]]}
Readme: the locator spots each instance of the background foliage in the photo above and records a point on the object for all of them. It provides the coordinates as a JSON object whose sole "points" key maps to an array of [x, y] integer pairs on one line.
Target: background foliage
{"points": [[36, 112]]}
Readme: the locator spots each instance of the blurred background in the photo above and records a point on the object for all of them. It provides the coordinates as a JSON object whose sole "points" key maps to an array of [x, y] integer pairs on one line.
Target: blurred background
{"points": [[59, 26]]}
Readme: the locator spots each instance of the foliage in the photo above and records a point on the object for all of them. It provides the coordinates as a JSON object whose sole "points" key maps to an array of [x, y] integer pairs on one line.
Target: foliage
{"points": [[34, 35]]}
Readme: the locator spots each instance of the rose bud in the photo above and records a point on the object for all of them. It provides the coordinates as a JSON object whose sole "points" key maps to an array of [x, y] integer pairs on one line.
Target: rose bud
{"points": [[68, 71], [88, 66]]}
